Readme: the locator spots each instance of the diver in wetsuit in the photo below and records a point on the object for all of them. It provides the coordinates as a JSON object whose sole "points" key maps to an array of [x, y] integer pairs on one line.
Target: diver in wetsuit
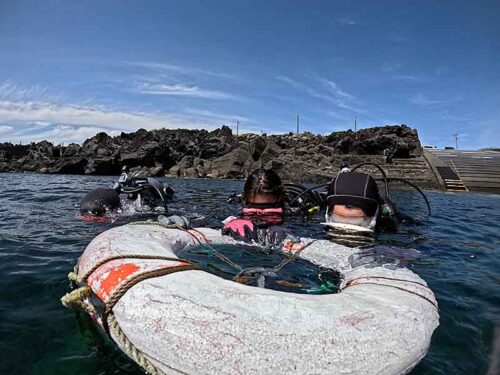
{"points": [[353, 208], [263, 211], [148, 192]]}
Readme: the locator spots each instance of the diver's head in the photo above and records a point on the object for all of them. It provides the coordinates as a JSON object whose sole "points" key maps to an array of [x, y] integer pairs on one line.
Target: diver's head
{"points": [[263, 189], [264, 195], [353, 201]]}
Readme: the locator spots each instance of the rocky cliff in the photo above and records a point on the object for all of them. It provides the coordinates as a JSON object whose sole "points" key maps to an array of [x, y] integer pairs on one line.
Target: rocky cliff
{"points": [[219, 154]]}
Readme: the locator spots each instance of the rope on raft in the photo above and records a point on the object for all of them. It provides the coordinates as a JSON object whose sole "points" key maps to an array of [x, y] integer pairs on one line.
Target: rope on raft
{"points": [[222, 257], [76, 299]]}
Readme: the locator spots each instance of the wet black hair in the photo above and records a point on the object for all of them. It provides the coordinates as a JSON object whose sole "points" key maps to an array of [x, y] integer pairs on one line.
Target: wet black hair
{"points": [[264, 181]]}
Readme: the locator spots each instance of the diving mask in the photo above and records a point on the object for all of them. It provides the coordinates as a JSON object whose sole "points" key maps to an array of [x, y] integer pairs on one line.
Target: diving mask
{"points": [[354, 222]]}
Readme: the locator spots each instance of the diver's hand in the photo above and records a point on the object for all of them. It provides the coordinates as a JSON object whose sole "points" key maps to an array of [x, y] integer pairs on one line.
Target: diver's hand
{"points": [[241, 230], [179, 220], [275, 236], [234, 198]]}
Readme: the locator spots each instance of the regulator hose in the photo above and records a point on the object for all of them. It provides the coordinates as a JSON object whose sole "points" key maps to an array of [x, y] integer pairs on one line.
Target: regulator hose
{"points": [[141, 188], [384, 175], [319, 202], [298, 189], [415, 187]]}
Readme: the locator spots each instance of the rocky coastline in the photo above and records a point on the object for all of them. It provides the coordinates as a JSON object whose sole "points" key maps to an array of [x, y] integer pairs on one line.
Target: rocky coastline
{"points": [[303, 157]]}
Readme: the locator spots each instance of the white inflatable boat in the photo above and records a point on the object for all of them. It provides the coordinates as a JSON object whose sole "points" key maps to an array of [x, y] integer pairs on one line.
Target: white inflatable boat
{"points": [[175, 319]]}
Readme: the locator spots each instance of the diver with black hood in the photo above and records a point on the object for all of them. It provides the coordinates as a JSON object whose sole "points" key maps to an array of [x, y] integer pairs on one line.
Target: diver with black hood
{"points": [[353, 208], [145, 194]]}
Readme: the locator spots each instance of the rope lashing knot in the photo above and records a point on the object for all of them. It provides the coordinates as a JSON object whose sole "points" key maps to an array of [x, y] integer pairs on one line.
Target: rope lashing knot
{"points": [[75, 299], [73, 277]]}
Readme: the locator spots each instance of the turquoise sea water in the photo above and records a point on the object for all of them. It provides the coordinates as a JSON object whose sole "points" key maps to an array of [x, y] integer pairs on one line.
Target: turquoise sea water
{"points": [[40, 241], [264, 267]]}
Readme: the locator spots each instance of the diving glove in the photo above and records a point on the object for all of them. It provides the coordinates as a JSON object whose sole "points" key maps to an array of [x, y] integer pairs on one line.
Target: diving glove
{"points": [[241, 230], [178, 220]]}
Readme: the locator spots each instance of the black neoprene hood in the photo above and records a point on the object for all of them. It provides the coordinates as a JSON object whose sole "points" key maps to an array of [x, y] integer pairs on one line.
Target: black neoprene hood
{"points": [[354, 189]]}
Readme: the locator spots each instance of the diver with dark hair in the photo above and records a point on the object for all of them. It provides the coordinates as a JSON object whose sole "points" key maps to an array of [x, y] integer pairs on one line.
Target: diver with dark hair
{"points": [[263, 210], [297, 200]]}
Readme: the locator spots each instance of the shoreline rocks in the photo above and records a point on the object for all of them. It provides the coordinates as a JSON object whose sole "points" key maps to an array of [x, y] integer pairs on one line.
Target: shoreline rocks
{"points": [[301, 157]]}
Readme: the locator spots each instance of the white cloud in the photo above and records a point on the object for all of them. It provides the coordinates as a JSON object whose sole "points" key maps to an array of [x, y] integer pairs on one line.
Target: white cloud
{"points": [[180, 69], [220, 117], [346, 21], [12, 91], [330, 92], [68, 134], [335, 89], [399, 38], [71, 123], [394, 71], [31, 112], [180, 89], [421, 99], [34, 121], [155, 78], [5, 129], [404, 77], [291, 82]]}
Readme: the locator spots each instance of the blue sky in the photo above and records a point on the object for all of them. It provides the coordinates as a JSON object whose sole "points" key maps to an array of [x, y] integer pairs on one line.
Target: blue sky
{"points": [[70, 69]]}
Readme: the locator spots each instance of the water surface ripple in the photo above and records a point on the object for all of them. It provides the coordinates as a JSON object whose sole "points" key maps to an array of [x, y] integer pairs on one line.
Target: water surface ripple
{"points": [[40, 241]]}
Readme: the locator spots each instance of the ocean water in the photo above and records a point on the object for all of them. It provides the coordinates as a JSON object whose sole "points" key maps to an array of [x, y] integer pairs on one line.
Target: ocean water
{"points": [[40, 241], [263, 267]]}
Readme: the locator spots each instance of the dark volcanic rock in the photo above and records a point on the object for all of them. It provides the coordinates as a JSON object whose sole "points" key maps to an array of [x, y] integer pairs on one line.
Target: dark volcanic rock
{"points": [[231, 164], [71, 150], [8, 151], [69, 165], [198, 153], [102, 166], [373, 141]]}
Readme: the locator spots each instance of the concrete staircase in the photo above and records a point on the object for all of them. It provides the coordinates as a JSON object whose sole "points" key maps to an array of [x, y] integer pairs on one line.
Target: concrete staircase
{"points": [[416, 170], [476, 170]]}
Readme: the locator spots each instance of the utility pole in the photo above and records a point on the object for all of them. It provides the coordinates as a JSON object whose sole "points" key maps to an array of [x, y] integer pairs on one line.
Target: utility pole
{"points": [[237, 127], [456, 141], [355, 123], [297, 123]]}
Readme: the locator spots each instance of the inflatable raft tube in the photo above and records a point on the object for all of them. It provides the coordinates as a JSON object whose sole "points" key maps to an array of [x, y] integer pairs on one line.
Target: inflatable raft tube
{"points": [[193, 322]]}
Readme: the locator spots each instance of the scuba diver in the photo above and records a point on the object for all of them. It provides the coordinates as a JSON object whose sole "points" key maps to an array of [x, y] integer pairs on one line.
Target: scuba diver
{"points": [[145, 194], [298, 200], [389, 215], [353, 208], [263, 211]]}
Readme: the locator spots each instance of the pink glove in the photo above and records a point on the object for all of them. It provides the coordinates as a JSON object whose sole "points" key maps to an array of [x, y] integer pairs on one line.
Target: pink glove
{"points": [[240, 229]]}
